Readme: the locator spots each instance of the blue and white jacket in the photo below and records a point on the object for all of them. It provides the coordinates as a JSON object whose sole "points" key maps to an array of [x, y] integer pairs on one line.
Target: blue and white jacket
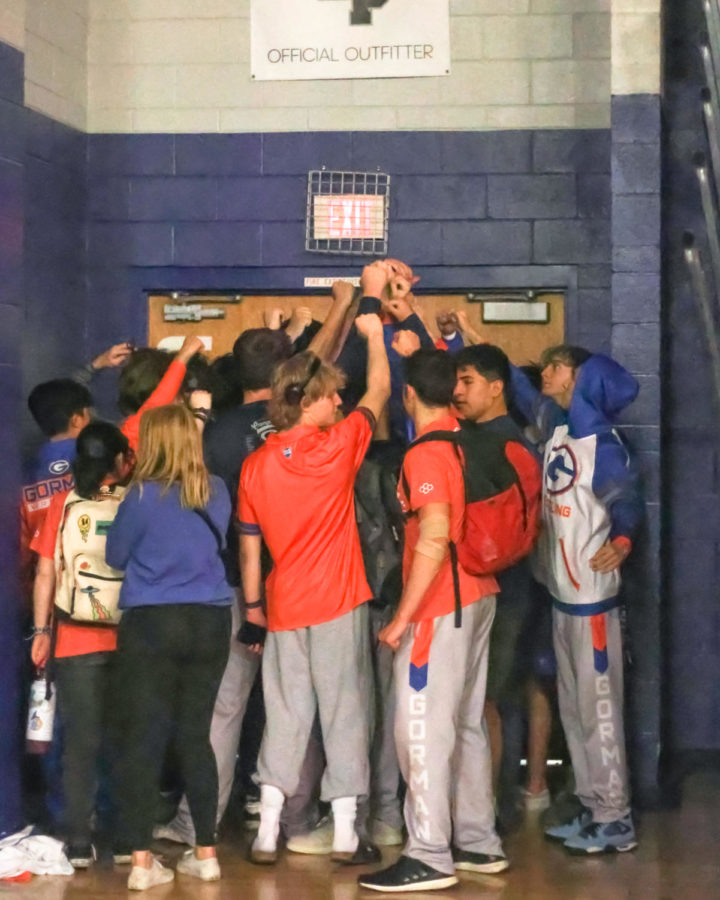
{"points": [[590, 485]]}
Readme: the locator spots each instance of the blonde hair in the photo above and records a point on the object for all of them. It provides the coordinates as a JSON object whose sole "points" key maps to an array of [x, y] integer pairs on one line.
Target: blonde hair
{"points": [[293, 374], [170, 452]]}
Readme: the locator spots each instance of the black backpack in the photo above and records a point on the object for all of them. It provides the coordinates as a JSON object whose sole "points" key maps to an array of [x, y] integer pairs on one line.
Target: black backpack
{"points": [[380, 527]]}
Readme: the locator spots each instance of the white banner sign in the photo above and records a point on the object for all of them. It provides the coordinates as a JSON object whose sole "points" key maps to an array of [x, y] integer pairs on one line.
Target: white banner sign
{"points": [[296, 39]]}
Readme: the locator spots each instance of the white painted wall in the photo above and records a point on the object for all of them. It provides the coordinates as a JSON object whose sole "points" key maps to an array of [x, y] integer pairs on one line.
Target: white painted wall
{"points": [[56, 33], [12, 23], [636, 46], [184, 66]]}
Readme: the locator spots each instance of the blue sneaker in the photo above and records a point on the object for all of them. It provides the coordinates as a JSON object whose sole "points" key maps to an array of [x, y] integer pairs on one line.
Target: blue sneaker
{"points": [[604, 837], [570, 828]]}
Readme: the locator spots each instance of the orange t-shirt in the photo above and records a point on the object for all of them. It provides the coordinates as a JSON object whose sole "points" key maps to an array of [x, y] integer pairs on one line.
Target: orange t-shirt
{"points": [[72, 639], [297, 491], [164, 393], [434, 475]]}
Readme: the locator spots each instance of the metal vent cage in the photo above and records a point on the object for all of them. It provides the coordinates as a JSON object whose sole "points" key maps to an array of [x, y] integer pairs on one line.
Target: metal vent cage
{"points": [[347, 212]]}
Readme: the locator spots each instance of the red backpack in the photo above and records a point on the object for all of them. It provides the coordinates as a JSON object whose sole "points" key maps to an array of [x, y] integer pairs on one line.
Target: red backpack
{"points": [[503, 485]]}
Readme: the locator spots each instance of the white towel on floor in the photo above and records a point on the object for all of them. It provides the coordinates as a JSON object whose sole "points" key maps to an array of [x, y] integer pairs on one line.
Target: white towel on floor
{"points": [[27, 852]]}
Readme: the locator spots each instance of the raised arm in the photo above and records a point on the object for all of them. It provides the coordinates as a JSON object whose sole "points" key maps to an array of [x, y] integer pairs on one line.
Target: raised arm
{"points": [[468, 332], [377, 391], [325, 342], [112, 358], [538, 409]]}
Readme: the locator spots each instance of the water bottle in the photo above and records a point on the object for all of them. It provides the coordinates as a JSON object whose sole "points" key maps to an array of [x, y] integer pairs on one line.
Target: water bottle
{"points": [[41, 715]]}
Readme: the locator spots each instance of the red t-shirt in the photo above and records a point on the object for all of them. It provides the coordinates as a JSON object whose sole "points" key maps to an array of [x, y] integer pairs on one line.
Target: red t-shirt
{"points": [[72, 639], [164, 393], [297, 491], [434, 475]]}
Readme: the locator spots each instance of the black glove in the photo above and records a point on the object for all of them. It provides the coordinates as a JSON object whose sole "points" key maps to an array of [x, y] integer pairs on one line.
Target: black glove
{"points": [[251, 634]]}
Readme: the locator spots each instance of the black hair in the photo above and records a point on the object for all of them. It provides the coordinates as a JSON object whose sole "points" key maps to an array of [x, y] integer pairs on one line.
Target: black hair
{"points": [[258, 351], [54, 403], [98, 445], [432, 375], [140, 376], [225, 383], [567, 354], [487, 360], [197, 375]]}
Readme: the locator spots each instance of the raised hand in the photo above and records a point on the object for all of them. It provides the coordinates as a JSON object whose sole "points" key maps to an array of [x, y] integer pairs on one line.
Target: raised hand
{"points": [[273, 318], [114, 356], [405, 342], [374, 278], [343, 292], [300, 318], [369, 326]]}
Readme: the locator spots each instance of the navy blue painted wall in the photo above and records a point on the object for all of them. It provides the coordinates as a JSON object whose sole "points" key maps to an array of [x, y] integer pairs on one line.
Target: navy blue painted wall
{"points": [[55, 213], [690, 420], [227, 211], [12, 143], [636, 342]]}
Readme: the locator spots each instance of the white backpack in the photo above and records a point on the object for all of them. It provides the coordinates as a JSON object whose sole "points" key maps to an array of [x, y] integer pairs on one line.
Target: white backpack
{"points": [[87, 588]]}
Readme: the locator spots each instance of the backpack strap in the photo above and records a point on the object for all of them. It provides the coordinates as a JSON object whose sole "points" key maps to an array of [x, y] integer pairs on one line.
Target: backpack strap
{"points": [[448, 437]]}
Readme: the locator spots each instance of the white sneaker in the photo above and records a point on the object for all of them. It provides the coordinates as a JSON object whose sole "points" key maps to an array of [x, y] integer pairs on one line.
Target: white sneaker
{"points": [[385, 835], [168, 833], [317, 842], [204, 869], [141, 878]]}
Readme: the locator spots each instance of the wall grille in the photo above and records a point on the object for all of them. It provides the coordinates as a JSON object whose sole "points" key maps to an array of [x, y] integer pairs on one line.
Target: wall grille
{"points": [[347, 212]]}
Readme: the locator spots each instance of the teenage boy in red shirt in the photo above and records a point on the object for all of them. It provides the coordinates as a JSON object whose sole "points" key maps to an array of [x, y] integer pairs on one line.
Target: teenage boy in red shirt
{"points": [[296, 492], [440, 670]]}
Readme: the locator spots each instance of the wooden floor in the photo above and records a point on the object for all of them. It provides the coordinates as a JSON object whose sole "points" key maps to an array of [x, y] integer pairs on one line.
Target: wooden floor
{"points": [[678, 859]]}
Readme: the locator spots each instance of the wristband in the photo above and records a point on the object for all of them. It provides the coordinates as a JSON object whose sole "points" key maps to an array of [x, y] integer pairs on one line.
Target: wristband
{"points": [[256, 605], [44, 629]]}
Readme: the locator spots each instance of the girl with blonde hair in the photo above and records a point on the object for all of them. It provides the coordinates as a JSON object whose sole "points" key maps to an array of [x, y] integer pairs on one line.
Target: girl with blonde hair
{"points": [[174, 635]]}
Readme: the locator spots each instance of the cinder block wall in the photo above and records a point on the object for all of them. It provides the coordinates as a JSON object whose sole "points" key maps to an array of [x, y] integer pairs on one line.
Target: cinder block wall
{"points": [[501, 177], [179, 66]]}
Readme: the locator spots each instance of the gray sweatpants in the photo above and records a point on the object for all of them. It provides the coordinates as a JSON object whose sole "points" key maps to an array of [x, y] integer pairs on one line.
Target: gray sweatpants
{"points": [[384, 768], [323, 668], [590, 697], [228, 714], [442, 744]]}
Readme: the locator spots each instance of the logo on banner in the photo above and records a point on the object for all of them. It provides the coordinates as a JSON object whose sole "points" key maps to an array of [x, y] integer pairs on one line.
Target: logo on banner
{"points": [[361, 10]]}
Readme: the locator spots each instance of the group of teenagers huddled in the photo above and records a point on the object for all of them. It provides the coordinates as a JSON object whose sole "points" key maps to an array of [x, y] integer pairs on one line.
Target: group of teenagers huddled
{"points": [[403, 541]]}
